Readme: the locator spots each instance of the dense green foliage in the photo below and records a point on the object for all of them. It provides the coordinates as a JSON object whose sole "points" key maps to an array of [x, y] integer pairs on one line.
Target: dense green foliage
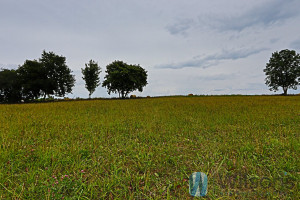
{"points": [[146, 148], [48, 76], [122, 78], [283, 70], [91, 76], [60, 80], [33, 78], [10, 87]]}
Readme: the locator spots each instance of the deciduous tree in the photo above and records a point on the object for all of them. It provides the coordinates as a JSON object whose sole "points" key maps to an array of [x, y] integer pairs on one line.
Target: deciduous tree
{"points": [[91, 76], [60, 80], [122, 78], [33, 79], [10, 88], [283, 70]]}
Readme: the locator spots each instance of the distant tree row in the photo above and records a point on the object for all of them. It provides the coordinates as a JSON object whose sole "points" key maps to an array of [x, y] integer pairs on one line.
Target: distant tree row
{"points": [[120, 78], [36, 78], [50, 76]]}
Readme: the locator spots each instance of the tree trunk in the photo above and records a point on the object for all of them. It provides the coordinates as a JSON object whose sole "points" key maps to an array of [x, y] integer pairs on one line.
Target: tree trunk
{"points": [[284, 91]]}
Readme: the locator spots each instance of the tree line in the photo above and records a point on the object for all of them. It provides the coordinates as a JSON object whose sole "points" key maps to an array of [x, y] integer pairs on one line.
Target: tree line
{"points": [[50, 76]]}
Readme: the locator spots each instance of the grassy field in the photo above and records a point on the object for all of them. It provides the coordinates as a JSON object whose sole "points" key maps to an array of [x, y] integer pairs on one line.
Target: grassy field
{"points": [[147, 148]]}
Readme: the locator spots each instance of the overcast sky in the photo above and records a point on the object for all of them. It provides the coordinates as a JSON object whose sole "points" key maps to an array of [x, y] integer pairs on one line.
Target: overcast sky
{"points": [[187, 46]]}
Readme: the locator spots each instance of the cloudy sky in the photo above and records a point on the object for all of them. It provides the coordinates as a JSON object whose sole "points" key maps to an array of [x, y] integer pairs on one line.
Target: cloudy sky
{"points": [[187, 46]]}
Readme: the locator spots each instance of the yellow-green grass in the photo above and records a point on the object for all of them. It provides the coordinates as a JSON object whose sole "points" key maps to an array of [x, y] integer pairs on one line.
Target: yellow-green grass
{"points": [[146, 148]]}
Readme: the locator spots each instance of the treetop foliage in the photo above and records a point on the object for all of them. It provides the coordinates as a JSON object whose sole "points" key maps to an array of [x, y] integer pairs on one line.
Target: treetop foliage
{"points": [[122, 78], [47, 76], [283, 70], [60, 80], [91, 76], [9, 86]]}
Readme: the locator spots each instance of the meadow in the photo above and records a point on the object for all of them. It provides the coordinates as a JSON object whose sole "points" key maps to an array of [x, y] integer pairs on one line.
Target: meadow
{"points": [[147, 148]]}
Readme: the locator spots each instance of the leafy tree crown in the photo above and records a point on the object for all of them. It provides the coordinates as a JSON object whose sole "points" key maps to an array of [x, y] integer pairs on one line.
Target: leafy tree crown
{"points": [[283, 70], [123, 78], [91, 76]]}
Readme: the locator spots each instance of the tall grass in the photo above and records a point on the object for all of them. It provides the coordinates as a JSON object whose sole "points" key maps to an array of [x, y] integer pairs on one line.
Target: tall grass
{"points": [[146, 148]]}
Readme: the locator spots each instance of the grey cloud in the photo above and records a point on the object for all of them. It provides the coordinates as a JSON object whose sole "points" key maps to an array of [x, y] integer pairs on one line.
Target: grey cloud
{"points": [[249, 87], [211, 60], [253, 87], [219, 77], [295, 45], [274, 40], [218, 90], [180, 27], [216, 77], [267, 14]]}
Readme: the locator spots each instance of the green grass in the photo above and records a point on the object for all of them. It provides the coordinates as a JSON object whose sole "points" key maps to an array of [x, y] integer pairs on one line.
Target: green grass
{"points": [[146, 148]]}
